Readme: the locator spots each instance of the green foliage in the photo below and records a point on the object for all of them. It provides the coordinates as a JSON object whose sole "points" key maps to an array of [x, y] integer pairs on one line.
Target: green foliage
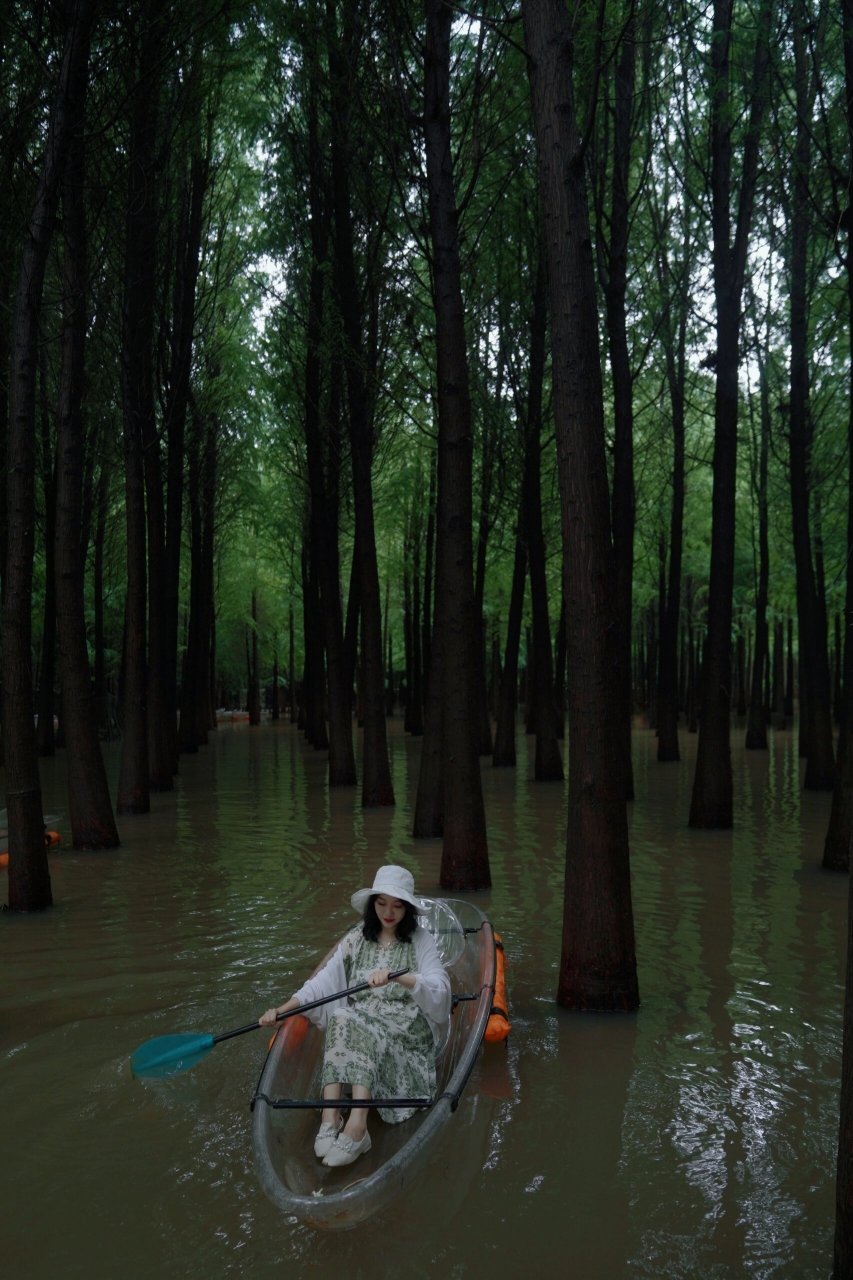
{"points": [[239, 92]]}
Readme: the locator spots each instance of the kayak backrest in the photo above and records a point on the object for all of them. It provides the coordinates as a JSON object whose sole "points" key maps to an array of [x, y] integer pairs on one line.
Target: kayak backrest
{"points": [[442, 922]]}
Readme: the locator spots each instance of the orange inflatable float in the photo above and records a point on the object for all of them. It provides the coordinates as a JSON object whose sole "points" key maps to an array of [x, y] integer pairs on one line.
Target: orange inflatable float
{"points": [[296, 1027], [51, 838], [498, 1026]]}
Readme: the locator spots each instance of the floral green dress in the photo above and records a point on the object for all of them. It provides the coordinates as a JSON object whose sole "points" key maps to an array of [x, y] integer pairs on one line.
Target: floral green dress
{"points": [[381, 1040]]}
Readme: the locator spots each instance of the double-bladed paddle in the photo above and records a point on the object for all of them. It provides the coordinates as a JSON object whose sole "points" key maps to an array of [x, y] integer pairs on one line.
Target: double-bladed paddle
{"points": [[167, 1055]]}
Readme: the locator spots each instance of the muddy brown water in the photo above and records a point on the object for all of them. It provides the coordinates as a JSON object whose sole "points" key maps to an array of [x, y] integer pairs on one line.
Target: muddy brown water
{"points": [[694, 1139]]}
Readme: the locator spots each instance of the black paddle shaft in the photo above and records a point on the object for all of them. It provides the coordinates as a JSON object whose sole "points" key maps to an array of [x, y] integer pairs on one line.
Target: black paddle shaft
{"points": [[302, 1008]]}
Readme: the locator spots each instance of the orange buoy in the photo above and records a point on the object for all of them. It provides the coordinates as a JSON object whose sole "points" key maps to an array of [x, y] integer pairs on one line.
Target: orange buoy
{"points": [[498, 1026]]}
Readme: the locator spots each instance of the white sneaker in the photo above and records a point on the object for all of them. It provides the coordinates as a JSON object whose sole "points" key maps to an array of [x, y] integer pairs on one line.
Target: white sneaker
{"points": [[345, 1149], [325, 1139]]}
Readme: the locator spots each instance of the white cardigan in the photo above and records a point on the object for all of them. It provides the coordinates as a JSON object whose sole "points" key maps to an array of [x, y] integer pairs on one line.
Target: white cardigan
{"points": [[431, 992]]}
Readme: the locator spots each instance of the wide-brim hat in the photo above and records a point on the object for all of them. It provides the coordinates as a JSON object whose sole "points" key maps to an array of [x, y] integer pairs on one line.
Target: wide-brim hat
{"points": [[396, 882]]}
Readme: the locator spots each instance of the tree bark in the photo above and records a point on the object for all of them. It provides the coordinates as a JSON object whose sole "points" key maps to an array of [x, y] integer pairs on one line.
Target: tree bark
{"points": [[45, 734], [104, 710], [89, 805], [414, 714], [376, 786], [674, 338], [29, 876], [254, 689], [174, 424], [313, 711], [548, 764], [320, 445], [598, 964], [843, 1243], [712, 800], [465, 856], [138, 397], [429, 801], [816, 693], [484, 522], [756, 729], [504, 749], [836, 849], [196, 714], [623, 502]]}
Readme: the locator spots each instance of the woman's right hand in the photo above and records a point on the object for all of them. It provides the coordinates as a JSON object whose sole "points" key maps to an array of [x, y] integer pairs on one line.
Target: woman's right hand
{"points": [[268, 1018]]}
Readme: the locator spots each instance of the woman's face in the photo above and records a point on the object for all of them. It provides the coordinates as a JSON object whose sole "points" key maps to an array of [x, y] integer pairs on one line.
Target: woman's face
{"points": [[389, 911]]}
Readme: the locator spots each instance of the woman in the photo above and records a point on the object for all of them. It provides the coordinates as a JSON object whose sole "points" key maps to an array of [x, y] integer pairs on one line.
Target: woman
{"points": [[381, 1041]]}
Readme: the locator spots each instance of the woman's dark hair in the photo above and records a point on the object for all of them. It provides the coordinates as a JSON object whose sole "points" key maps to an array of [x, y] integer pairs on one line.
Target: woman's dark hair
{"points": [[372, 926]]}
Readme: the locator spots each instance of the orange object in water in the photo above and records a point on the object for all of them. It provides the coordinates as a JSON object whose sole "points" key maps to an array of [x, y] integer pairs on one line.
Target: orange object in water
{"points": [[498, 1026], [295, 1026], [51, 838]]}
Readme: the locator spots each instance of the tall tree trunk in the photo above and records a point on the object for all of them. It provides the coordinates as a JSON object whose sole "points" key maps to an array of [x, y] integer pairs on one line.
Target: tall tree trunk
{"points": [[836, 849], [174, 425], [206, 714], [560, 665], [465, 856], [414, 717], [104, 712], [674, 331], [275, 697], [164, 501], [160, 713], [138, 397], [622, 504], [291, 664], [816, 694], [712, 800], [196, 712], [89, 805], [254, 690], [548, 764], [29, 877], [484, 524], [504, 749], [313, 683], [756, 728], [12, 148], [45, 735], [325, 495], [598, 967], [779, 714], [429, 571], [429, 802], [376, 786], [843, 1244]]}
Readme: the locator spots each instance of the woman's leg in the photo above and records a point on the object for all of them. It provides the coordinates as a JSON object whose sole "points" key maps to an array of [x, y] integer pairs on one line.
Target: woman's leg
{"points": [[331, 1115], [357, 1123]]}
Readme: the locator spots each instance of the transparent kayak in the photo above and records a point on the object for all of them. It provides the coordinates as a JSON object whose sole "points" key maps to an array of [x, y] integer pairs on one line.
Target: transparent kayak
{"points": [[285, 1119]]}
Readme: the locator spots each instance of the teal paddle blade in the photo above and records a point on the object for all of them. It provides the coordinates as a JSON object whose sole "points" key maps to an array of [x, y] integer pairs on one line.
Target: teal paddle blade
{"points": [[167, 1055]]}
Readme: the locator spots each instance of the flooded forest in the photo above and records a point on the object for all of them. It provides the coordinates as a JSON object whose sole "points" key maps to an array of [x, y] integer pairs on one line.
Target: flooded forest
{"points": [[455, 404]]}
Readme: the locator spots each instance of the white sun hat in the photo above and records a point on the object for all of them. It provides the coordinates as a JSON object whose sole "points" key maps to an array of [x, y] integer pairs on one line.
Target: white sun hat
{"points": [[396, 882]]}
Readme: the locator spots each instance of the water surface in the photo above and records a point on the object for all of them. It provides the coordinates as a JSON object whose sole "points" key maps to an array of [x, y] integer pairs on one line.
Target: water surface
{"points": [[693, 1139]]}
